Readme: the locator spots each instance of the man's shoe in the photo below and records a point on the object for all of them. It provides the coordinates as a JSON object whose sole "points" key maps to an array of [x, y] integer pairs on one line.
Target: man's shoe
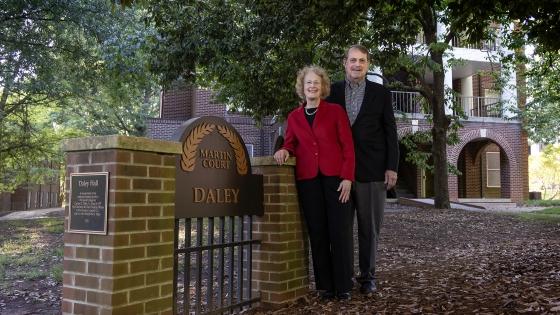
{"points": [[343, 296], [326, 295], [367, 288]]}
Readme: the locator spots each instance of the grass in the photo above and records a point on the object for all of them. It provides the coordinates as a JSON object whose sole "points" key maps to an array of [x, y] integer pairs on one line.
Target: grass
{"points": [[551, 215], [56, 273], [54, 226], [59, 252], [27, 251], [32, 274], [544, 203], [3, 263]]}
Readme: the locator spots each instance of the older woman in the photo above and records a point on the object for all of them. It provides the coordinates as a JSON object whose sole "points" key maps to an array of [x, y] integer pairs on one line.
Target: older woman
{"points": [[318, 134]]}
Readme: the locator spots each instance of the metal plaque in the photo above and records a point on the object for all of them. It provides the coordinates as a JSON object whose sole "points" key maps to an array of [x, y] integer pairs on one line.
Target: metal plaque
{"points": [[88, 203]]}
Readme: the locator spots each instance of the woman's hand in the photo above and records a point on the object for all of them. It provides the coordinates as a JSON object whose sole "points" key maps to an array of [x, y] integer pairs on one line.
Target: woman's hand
{"points": [[344, 188], [281, 156]]}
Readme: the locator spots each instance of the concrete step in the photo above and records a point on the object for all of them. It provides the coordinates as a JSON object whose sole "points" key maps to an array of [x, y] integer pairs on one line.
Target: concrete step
{"points": [[429, 203], [489, 203]]}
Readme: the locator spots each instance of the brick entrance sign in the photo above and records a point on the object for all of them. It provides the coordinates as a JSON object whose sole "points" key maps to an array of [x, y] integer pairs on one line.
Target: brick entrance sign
{"points": [[129, 270]]}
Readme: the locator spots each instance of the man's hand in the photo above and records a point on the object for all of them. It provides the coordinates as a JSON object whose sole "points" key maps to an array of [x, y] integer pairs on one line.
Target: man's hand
{"points": [[344, 188], [281, 156], [390, 179]]}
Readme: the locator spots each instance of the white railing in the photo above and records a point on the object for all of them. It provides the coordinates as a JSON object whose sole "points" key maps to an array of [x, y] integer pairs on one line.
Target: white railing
{"points": [[477, 106], [490, 44], [473, 106], [407, 102]]}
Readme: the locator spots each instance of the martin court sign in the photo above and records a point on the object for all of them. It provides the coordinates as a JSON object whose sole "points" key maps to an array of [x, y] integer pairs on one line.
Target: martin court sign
{"points": [[213, 172]]}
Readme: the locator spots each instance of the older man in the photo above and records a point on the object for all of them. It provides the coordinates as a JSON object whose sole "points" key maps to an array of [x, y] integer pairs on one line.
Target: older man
{"points": [[370, 111]]}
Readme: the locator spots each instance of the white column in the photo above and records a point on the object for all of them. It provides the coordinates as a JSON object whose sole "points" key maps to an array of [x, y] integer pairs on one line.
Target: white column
{"points": [[375, 78], [448, 72], [466, 94], [447, 83], [509, 96]]}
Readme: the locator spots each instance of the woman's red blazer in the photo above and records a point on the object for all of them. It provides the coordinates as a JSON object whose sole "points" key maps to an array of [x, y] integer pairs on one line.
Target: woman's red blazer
{"points": [[325, 147]]}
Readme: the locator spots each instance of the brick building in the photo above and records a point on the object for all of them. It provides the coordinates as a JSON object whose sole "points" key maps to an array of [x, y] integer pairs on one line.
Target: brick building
{"points": [[492, 154], [181, 104]]}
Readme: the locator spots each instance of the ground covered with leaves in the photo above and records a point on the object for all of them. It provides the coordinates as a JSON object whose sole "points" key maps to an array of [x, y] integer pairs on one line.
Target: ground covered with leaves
{"points": [[430, 261], [457, 262], [31, 266]]}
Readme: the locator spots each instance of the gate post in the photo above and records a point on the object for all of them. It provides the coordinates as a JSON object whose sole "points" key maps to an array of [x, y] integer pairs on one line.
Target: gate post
{"points": [[129, 270], [280, 262]]}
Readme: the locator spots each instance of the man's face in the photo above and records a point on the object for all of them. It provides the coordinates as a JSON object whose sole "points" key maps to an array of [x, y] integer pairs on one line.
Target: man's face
{"points": [[356, 65]]}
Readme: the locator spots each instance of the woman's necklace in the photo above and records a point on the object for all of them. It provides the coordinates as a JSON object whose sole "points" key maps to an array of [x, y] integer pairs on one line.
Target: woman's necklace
{"points": [[311, 113]]}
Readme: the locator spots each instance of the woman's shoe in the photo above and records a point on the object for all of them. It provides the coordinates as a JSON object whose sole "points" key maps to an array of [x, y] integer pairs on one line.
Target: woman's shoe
{"points": [[368, 287], [345, 296], [326, 295]]}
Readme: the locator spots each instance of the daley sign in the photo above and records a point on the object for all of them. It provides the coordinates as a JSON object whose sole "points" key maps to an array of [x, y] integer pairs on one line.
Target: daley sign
{"points": [[213, 173]]}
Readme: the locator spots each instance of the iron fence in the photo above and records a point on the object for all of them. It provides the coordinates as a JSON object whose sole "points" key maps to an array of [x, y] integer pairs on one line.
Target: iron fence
{"points": [[213, 265]]}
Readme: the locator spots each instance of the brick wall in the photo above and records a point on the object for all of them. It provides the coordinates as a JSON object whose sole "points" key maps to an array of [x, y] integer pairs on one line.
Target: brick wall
{"points": [[205, 104], [280, 263], [508, 136], [472, 170], [184, 103], [162, 129], [523, 171], [176, 103], [456, 85], [129, 270], [486, 83], [480, 82]]}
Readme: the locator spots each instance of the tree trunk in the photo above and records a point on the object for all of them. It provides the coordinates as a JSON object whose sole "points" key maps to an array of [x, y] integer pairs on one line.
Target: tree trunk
{"points": [[439, 136], [428, 19]]}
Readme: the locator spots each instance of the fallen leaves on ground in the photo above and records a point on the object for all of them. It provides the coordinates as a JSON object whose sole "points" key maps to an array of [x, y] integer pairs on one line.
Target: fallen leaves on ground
{"points": [[430, 262], [455, 262]]}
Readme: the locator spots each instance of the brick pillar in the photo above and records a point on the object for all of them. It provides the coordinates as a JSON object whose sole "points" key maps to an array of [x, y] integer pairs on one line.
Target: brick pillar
{"points": [[129, 270], [280, 263], [453, 184], [522, 192]]}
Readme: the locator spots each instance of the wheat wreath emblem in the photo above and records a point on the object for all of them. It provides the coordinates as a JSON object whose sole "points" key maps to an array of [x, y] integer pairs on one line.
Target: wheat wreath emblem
{"points": [[238, 149], [192, 141]]}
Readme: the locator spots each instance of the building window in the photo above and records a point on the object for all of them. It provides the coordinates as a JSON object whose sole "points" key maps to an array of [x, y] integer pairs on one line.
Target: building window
{"points": [[493, 169], [249, 149]]}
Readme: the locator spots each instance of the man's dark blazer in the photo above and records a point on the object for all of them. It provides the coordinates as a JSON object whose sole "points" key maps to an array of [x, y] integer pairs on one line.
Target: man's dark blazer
{"points": [[374, 131]]}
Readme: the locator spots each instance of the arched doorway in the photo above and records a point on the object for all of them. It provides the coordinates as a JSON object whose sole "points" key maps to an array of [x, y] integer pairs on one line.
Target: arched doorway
{"points": [[485, 169], [414, 181]]}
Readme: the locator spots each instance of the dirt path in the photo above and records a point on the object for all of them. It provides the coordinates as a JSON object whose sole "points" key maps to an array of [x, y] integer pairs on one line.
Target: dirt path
{"points": [[32, 214]]}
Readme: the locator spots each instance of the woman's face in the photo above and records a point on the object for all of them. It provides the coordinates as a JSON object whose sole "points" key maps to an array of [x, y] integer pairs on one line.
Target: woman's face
{"points": [[312, 86]]}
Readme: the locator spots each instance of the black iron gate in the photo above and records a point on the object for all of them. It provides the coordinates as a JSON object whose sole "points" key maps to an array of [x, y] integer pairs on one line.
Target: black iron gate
{"points": [[213, 264]]}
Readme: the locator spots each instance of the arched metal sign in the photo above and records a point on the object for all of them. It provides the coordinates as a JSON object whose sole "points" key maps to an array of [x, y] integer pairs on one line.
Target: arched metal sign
{"points": [[213, 173]]}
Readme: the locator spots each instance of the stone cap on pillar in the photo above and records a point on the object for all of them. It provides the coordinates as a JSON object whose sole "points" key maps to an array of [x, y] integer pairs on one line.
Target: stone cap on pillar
{"points": [[269, 161], [121, 142]]}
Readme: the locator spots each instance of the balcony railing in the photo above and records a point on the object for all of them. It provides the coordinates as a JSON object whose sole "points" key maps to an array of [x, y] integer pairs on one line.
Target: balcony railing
{"points": [[476, 106], [491, 45], [473, 106], [407, 102]]}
